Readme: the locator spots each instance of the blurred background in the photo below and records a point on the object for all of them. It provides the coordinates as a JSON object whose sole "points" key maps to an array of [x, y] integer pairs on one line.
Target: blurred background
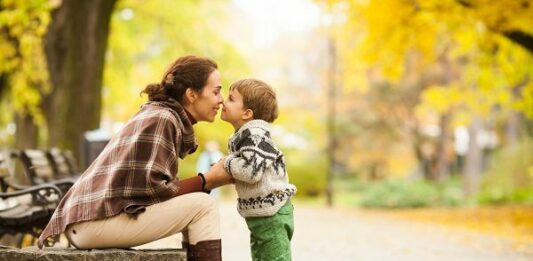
{"points": [[384, 104]]}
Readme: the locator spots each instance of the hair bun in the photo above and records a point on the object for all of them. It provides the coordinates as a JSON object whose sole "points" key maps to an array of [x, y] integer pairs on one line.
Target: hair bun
{"points": [[155, 92]]}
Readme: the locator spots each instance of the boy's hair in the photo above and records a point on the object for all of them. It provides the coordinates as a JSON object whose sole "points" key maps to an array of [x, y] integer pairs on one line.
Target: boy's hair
{"points": [[258, 97]]}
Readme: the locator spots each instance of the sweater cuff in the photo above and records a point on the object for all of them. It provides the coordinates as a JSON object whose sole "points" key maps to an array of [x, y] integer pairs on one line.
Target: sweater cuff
{"points": [[227, 164], [190, 185]]}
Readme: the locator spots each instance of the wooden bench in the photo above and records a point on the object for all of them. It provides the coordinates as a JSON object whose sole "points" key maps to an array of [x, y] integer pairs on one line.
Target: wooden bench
{"points": [[63, 163], [24, 211], [39, 169]]}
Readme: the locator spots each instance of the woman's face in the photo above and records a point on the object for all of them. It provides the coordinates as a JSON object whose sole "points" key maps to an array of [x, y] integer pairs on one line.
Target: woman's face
{"points": [[206, 106]]}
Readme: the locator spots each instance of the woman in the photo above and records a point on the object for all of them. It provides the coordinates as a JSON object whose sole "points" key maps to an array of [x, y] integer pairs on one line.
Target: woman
{"points": [[129, 195]]}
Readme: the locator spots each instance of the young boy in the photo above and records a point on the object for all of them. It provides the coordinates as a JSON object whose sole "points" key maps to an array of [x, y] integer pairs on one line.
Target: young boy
{"points": [[258, 167]]}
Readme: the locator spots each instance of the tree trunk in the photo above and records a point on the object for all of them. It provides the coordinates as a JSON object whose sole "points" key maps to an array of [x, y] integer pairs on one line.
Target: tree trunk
{"points": [[332, 140], [27, 133], [515, 124], [442, 163], [417, 148], [474, 159], [75, 46], [512, 130]]}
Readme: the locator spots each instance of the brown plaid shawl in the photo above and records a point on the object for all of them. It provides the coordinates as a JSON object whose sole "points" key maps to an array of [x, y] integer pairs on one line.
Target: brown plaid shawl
{"points": [[136, 169]]}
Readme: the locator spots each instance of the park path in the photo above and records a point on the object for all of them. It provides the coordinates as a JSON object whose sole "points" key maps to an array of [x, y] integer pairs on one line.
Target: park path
{"points": [[345, 234]]}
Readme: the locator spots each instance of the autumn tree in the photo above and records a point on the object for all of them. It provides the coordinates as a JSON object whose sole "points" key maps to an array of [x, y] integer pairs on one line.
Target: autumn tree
{"points": [[75, 46], [481, 51], [53, 74], [52, 70], [23, 70]]}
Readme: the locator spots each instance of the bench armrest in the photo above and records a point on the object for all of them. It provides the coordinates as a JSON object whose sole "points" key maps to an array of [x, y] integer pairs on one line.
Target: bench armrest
{"points": [[40, 193]]}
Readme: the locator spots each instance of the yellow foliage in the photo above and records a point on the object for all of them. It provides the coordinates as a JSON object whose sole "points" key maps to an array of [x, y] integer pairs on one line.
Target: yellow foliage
{"points": [[526, 104], [144, 41], [23, 25], [414, 61], [380, 35], [440, 98]]}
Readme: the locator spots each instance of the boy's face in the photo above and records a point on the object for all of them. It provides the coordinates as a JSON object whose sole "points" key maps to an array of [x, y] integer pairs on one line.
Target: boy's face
{"points": [[233, 110]]}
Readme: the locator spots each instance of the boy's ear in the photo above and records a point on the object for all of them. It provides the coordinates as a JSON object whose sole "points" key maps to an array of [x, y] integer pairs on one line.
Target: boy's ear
{"points": [[248, 114], [190, 95]]}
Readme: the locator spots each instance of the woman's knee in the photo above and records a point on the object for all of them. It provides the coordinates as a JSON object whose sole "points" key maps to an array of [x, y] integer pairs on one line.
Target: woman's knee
{"points": [[207, 203], [197, 202]]}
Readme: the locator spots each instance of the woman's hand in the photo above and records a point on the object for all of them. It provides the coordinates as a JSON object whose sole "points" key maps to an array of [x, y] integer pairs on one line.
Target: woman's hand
{"points": [[217, 176]]}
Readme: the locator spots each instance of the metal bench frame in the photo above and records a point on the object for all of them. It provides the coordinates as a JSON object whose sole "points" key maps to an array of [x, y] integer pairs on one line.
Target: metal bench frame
{"points": [[25, 210]]}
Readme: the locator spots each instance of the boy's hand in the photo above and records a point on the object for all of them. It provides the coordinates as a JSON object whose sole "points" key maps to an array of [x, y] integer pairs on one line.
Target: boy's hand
{"points": [[217, 176]]}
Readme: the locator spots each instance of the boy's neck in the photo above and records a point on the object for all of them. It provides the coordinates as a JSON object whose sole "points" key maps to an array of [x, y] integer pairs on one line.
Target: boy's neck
{"points": [[239, 124]]}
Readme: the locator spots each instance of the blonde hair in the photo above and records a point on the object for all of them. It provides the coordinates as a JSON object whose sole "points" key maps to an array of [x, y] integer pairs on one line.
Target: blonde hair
{"points": [[258, 97]]}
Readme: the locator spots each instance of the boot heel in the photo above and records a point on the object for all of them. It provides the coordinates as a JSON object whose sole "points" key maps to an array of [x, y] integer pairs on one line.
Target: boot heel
{"points": [[210, 250]]}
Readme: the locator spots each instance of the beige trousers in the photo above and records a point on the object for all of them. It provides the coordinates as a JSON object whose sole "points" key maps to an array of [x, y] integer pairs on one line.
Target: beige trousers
{"points": [[195, 215]]}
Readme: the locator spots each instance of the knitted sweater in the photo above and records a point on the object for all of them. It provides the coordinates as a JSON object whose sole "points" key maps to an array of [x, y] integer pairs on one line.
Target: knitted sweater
{"points": [[258, 168]]}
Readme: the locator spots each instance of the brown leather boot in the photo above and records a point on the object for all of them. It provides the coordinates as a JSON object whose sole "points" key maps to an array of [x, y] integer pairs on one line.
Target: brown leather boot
{"points": [[210, 250], [187, 247]]}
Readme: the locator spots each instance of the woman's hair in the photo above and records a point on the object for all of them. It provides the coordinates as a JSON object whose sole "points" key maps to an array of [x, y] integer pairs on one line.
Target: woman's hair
{"points": [[258, 97], [186, 72]]}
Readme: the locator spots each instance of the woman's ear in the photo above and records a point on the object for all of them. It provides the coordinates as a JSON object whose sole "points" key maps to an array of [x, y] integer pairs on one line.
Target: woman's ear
{"points": [[248, 114], [190, 95]]}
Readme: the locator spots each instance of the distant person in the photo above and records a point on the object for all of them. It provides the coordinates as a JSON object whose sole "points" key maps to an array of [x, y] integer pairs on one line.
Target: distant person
{"points": [[258, 167], [130, 194], [207, 158]]}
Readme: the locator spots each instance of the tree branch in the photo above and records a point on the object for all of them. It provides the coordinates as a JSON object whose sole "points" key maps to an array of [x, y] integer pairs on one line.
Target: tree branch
{"points": [[523, 39], [518, 37]]}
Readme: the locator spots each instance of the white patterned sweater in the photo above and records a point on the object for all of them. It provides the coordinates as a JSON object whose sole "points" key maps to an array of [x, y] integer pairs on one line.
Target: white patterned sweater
{"points": [[258, 168]]}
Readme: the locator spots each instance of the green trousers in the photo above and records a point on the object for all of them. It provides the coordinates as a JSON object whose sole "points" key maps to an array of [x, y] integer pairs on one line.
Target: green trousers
{"points": [[270, 237]]}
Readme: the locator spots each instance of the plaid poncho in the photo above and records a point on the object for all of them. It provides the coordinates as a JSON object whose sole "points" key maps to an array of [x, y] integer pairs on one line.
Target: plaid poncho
{"points": [[136, 169]]}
